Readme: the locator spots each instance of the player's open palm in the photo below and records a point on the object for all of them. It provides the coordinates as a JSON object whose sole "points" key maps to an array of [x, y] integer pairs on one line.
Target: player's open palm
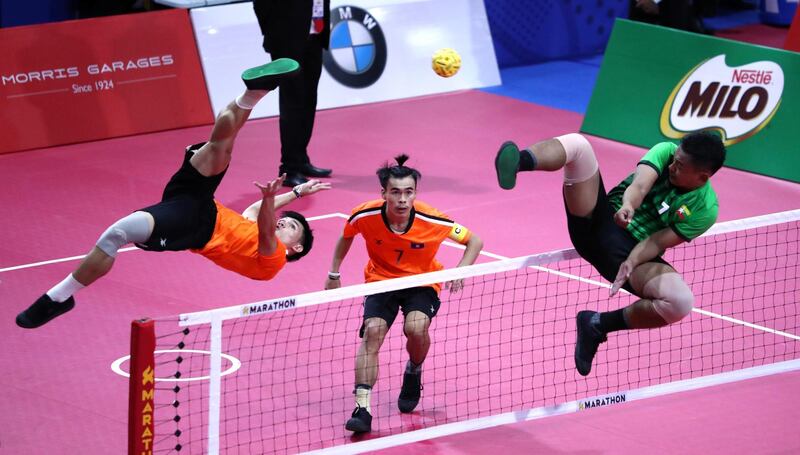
{"points": [[312, 186], [455, 285], [271, 188]]}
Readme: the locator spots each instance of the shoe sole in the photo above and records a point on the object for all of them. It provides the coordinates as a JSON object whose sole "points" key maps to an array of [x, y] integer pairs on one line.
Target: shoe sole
{"points": [[506, 164], [23, 322], [406, 406], [579, 332], [357, 426], [279, 67]]}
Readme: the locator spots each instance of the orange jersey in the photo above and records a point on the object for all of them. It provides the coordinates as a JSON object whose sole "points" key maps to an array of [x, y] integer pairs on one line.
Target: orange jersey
{"points": [[234, 246], [393, 255]]}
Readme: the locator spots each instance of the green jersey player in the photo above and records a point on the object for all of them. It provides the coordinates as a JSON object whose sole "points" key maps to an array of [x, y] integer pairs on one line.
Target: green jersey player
{"points": [[668, 200]]}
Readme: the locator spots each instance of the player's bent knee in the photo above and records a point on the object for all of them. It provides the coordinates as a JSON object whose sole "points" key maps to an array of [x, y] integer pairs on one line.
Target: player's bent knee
{"points": [[135, 227], [581, 162], [672, 298], [415, 330], [374, 330]]}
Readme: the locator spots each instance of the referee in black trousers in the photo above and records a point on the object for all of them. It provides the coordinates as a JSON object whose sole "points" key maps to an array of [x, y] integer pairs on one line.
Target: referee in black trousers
{"points": [[300, 30]]}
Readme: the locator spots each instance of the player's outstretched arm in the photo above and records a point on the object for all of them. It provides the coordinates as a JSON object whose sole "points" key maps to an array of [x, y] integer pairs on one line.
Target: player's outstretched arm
{"points": [[643, 181], [305, 189], [267, 242], [644, 251], [343, 245], [473, 249]]}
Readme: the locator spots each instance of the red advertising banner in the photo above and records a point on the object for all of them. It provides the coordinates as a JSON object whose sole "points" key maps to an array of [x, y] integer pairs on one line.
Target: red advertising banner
{"points": [[793, 38], [92, 79]]}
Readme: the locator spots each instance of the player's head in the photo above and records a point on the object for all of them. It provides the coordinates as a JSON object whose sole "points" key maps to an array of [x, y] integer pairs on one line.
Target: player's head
{"points": [[398, 185], [698, 157], [293, 231]]}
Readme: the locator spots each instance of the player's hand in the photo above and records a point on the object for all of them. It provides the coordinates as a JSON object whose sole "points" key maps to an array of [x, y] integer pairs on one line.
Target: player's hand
{"points": [[623, 216], [270, 189], [333, 284], [624, 273], [311, 187], [454, 285]]}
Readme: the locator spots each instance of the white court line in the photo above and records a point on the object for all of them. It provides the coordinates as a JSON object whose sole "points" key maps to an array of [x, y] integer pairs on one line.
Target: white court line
{"points": [[132, 248]]}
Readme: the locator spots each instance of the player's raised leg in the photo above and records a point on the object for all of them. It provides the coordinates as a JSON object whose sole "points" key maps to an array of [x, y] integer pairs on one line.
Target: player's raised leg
{"points": [[214, 157], [571, 152]]}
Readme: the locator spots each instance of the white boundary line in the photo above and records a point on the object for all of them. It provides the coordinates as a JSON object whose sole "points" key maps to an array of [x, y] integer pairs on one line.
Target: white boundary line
{"points": [[132, 248], [561, 409], [116, 366]]}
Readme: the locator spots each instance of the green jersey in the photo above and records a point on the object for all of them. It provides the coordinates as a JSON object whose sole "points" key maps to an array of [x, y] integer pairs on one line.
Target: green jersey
{"points": [[688, 213]]}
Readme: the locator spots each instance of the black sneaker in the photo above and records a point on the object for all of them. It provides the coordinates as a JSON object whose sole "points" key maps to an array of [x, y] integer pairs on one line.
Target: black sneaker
{"points": [[506, 163], [360, 421], [589, 338], [409, 393], [43, 310], [269, 76]]}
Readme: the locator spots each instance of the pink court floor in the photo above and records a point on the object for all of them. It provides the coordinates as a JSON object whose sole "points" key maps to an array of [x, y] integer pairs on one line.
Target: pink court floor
{"points": [[61, 396]]}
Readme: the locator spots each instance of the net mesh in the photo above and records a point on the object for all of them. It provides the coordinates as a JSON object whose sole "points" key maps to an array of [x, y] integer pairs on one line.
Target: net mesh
{"points": [[504, 343]]}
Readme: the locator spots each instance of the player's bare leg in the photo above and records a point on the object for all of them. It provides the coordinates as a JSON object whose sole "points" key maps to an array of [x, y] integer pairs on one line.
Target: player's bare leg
{"points": [[375, 330], [418, 343], [213, 157]]}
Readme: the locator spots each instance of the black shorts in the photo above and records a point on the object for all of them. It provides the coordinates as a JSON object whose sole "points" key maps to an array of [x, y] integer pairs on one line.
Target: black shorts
{"points": [[600, 241], [387, 304], [186, 216]]}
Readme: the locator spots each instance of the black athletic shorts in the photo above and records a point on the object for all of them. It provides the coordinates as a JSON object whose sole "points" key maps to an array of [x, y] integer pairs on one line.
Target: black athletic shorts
{"points": [[386, 305], [186, 216], [600, 241]]}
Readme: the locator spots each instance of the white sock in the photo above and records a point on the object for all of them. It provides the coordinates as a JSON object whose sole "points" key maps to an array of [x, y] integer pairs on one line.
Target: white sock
{"points": [[250, 98], [64, 290], [362, 398], [412, 367]]}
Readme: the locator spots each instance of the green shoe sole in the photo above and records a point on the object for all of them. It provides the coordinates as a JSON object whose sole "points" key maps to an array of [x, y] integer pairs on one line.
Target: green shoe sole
{"points": [[279, 66], [506, 164]]}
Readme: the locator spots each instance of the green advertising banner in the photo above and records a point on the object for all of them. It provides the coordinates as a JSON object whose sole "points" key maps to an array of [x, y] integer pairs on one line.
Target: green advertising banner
{"points": [[659, 84]]}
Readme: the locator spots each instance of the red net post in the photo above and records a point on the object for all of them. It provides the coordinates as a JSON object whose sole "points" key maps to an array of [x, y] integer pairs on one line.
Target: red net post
{"points": [[142, 388]]}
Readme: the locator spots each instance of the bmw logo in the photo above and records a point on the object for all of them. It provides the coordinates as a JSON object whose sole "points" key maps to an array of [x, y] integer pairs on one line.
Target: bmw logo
{"points": [[357, 53]]}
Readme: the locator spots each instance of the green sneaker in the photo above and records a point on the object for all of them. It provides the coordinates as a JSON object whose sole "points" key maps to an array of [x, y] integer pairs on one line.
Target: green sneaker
{"points": [[506, 163], [269, 76]]}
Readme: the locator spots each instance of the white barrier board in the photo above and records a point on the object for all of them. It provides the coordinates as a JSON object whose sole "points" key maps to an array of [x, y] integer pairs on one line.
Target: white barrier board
{"points": [[229, 41]]}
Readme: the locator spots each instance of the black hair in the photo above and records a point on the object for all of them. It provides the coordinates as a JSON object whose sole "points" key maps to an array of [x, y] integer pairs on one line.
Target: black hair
{"points": [[307, 240], [705, 149], [398, 171]]}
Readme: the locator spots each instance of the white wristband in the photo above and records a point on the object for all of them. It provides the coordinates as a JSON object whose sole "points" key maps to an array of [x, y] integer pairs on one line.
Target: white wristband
{"points": [[334, 275]]}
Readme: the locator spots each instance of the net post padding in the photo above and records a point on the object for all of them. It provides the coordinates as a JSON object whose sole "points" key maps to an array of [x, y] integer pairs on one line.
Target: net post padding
{"points": [[141, 388]]}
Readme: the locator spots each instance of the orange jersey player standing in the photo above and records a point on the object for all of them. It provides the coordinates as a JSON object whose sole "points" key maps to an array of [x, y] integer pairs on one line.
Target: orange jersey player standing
{"points": [[402, 237]]}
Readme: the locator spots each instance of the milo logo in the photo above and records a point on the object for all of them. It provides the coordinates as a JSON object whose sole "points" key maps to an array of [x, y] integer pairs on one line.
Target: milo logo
{"points": [[736, 102]]}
